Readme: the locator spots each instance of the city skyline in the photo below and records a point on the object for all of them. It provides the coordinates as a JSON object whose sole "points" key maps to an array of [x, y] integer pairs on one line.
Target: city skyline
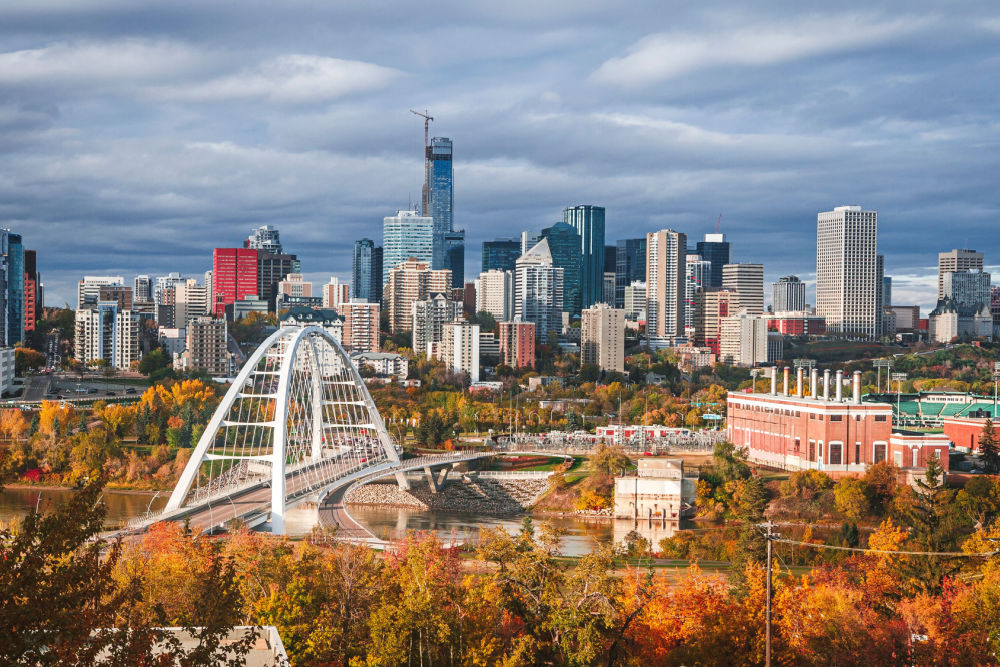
{"points": [[119, 137]]}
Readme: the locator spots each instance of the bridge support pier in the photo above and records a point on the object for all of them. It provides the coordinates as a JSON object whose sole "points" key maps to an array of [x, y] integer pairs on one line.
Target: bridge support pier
{"points": [[437, 483], [402, 481]]}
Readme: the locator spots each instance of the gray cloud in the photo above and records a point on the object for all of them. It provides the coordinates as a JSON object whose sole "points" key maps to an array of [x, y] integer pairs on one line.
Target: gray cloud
{"points": [[137, 137]]}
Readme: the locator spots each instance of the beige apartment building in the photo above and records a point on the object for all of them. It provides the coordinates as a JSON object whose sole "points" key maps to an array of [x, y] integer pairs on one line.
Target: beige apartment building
{"points": [[411, 281], [602, 337]]}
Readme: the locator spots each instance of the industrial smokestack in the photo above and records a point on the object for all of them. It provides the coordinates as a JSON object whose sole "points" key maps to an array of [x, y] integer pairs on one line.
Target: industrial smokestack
{"points": [[774, 379], [826, 384], [840, 385], [798, 382], [784, 389], [813, 382], [857, 387]]}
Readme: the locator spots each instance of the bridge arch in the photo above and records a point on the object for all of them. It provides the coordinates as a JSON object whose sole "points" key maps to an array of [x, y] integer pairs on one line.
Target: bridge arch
{"points": [[297, 418]]}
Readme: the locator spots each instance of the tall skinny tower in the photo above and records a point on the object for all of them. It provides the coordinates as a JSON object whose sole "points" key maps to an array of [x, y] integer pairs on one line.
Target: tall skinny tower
{"points": [[848, 275], [666, 251]]}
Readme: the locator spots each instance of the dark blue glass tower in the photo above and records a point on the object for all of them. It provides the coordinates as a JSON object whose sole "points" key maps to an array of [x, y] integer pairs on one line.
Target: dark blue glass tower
{"points": [[588, 220], [367, 277], [715, 249], [630, 265], [439, 204], [501, 254], [12, 279], [564, 244]]}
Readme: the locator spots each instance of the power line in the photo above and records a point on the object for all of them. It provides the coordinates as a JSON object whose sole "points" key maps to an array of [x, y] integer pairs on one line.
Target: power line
{"points": [[955, 554]]}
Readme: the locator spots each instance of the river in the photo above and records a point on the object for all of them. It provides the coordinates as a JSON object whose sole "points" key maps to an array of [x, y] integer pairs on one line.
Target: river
{"points": [[580, 535]]}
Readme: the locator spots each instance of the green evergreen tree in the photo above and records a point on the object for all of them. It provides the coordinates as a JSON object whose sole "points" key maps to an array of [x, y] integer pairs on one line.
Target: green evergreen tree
{"points": [[989, 448]]}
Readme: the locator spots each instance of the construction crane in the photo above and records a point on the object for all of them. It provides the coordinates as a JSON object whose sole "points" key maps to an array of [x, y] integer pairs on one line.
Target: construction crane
{"points": [[427, 120], [716, 222]]}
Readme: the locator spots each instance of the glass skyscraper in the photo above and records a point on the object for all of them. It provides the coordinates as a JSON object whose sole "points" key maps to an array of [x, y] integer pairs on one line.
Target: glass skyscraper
{"points": [[630, 265], [406, 235], [715, 249], [12, 287], [588, 220], [367, 277], [564, 246], [439, 205], [501, 254]]}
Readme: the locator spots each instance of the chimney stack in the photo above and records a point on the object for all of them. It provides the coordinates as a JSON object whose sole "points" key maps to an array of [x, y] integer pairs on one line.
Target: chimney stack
{"points": [[813, 382], [826, 384], [840, 386], [774, 379], [798, 382], [785, 386], [857, 386]]}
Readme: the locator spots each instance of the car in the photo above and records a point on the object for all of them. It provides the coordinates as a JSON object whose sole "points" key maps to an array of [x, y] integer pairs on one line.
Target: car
{"points": [[111, 393], [91, 391], [130, 390]]}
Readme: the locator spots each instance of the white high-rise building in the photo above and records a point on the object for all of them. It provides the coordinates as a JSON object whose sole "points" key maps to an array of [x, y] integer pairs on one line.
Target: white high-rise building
{"points": [[495, 294], [848, 279], [746, 281], [743, 340], [190, 302], [666, 251], [602, 337], [789, 293], [102, 331], [635, 301], [169, 281], [538, 290], [429, 318], [142, 289], [957, 260], [697, 274], [459, 348], [265, 238]]}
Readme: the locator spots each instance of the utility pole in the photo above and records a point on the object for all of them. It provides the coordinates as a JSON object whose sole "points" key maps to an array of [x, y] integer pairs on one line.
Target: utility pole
{"points": [[771, 536]]}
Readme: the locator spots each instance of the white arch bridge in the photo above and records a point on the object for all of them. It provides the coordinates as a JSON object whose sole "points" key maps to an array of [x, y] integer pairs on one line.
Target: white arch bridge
{"points": [[298, 423]]}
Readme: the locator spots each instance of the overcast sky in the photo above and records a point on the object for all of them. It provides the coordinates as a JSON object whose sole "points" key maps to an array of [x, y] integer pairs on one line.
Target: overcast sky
{"points": [[137, 136]]}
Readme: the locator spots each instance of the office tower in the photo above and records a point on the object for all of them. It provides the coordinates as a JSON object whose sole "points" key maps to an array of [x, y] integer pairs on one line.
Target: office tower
{"points": [[459, 348], [635, 301], [191, 301], [88, 289], [610, 259], [454, 256], [118, 293], [715, 249], [957, 260], [142, 289], [429, 316], [696, 273], [335, 293], [602, 337], [102, 331], [411, 281], [366, 279], [848, 283], [713, 307], [361, 322], [271, 270], [32, 285], [886, 291], [789, 293], [966, 289], [517, 343], [538, 290], [207, 346], [564, 247], [405, 236], [501, 254], [608, 294], [13, 262], [630, 266], [747, 282], [588, 221], [744, 340], [265, 239], [666, 251], [234, 277], [495, 294]]}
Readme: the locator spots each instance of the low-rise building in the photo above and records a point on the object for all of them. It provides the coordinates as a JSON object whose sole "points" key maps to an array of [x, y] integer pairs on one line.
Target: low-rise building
{"points": [[326, 318], [824, 430], [385, 364], [661, 489], [543, 381], [796, 323], [691, 357]]}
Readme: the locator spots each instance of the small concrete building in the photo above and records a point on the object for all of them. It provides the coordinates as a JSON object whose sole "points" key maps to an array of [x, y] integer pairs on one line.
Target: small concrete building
{"points": [[660, 490]]}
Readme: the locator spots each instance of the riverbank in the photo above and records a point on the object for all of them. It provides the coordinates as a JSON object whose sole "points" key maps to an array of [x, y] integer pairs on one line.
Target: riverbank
{"points": [[28, 486], [493, 497]]}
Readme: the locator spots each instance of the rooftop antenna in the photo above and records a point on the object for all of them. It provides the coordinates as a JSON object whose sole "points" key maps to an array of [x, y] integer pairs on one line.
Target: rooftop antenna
{"points": [[427, 119]]}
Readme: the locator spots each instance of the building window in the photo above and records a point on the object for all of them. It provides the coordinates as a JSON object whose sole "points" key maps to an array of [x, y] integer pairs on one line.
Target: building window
{"points": [[857, 452], [812, 450], [879, 453], [835, 453], [836, 418], [880, 418], [797, 443]]}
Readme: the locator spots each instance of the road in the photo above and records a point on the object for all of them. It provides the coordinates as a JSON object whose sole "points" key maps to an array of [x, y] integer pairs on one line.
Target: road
{"points": [[36, 387]]}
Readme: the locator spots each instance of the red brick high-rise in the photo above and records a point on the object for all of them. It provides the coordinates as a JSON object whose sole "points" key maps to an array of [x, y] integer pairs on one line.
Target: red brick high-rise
{"points": [[32, 305]]}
